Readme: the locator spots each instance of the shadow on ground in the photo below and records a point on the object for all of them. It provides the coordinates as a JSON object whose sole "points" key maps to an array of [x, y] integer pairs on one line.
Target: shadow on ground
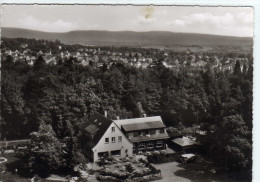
{"points": [[17, 165], [202, 171]]}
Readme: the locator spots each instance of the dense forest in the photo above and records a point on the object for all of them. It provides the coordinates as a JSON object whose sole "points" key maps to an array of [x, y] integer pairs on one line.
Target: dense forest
{"points": [[42, 96]]}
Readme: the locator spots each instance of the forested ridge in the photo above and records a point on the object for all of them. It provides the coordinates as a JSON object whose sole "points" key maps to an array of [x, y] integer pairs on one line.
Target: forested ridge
{"points": [[59, 96], [156, 39]]}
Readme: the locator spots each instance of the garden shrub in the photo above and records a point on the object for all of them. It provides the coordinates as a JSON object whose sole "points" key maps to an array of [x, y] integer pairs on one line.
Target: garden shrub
{"points": [[104, 160], [129, 168], [129, 172], [160, 157], [151, 167]]}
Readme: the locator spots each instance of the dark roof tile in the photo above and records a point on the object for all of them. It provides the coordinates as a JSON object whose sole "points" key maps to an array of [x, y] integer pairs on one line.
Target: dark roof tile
{"points": [[150, 138], [94, 128], [143, 126]]}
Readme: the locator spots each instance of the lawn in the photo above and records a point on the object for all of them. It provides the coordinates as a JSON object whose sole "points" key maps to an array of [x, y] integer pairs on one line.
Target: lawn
{"points": [[14, 173], [9, 167]]}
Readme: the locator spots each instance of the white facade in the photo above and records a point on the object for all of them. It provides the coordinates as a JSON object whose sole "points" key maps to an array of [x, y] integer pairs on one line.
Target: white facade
{"points": [[113, 142]]}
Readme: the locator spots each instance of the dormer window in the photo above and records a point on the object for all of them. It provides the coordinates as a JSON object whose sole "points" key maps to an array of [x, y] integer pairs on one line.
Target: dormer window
{"points": [[113, 129]]}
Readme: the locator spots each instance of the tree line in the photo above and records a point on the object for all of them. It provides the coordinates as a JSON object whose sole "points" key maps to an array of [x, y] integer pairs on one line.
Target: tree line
{"points": [[54, 99]]}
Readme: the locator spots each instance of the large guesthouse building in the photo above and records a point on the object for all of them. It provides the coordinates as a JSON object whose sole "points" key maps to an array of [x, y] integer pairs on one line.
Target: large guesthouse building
{"points": [[146, 133], [102, 136]]}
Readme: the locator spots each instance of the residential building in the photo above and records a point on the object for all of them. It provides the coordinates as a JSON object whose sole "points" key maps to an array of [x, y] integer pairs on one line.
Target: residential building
{"points": [[147, 133], [84, 62], [101, 136], [48, 58]]}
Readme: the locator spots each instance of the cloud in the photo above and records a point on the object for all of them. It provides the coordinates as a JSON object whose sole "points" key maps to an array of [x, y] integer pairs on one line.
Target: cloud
{"points": [[144, 20], [176, 22], [222, 21], [246, 18], [208, 18], [240, 24], [57, 26], [159, 11], [141, 20]]}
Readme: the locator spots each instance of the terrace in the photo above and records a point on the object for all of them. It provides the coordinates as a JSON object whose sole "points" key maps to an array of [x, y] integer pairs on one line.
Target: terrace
{"points": [[116, 169]]}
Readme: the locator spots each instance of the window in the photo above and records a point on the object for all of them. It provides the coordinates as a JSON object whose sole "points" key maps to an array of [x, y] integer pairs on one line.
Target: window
{"points": [[120, 139], [153, 132], [141, 144], [116, 152], [113, 129], [102, 154], [136, 134], [113, 139], [129, 135], [159, 142], [150, 143], [106, 140], [142, 133], [147, 132], [162, 130]]}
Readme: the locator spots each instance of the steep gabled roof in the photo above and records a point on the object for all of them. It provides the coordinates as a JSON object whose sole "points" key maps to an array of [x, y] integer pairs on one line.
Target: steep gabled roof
{"points": [[94, 128]]}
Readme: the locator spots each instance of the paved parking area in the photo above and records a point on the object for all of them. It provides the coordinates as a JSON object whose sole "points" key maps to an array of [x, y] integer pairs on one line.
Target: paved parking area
{"points": [[168, 170]]}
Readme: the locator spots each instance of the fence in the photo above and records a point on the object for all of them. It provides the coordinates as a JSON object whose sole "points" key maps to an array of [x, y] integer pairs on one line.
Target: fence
{"points": [[12, 144]]}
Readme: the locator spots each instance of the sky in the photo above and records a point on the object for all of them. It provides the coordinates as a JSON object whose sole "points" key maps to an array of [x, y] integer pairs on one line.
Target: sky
{"points": [[231, 21]]}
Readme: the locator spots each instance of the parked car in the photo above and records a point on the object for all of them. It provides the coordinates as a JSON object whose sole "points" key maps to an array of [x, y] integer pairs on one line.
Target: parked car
{"points": [[187, 158]]}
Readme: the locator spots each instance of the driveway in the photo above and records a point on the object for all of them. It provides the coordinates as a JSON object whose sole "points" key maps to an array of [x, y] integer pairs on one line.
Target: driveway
{"points": [[168, 172]]}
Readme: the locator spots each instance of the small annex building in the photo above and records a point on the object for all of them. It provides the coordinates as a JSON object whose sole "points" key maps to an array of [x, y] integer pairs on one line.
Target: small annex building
{"points": [[101, 136], [185, 144]]}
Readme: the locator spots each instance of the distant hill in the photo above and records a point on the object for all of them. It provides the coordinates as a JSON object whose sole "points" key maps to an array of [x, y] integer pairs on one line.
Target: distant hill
{"points": [[155, 39]]}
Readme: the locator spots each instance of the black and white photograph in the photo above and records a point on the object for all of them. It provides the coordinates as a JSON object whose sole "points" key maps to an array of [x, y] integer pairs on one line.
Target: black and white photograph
{"points": [[126, 93]]}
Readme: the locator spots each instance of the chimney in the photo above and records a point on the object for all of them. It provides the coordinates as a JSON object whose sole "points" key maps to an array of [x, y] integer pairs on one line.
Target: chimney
{"points": [[144, 115], [105, 114], [117, 117]]}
